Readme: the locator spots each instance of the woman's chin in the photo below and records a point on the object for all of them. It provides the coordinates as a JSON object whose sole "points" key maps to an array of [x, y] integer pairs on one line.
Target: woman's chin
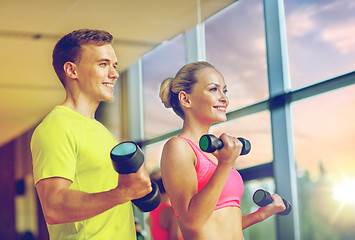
{"points": [[219, 120]]}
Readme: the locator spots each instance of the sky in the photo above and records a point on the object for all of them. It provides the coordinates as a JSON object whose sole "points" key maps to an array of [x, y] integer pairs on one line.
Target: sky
{"points": [[321, 45]]}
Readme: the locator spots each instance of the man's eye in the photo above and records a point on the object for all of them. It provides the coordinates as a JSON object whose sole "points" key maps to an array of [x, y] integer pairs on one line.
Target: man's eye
{"points": [[103, 64]]}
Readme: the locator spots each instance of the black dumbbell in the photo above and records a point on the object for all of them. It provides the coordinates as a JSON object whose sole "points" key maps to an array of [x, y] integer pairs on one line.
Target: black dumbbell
{"points": [[263, 198], [210, 143], [127, 158]]}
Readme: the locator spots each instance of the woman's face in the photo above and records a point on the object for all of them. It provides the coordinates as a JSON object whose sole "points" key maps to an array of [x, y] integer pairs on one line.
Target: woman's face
{"points": [[209, 101]]}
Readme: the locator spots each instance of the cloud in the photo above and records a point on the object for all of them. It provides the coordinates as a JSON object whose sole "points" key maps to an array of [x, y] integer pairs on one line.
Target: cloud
{"points": [[332, 23], [259, 44], [301, 21], [341, 36]]}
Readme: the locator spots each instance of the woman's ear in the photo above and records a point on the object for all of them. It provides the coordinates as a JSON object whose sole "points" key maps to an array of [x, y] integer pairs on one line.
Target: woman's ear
{"points": [[70, 70], [184, 99]]}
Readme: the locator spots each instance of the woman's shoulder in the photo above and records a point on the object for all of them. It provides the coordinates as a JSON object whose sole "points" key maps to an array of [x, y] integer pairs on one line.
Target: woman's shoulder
{"points": [[176, 140], [177, 146]]}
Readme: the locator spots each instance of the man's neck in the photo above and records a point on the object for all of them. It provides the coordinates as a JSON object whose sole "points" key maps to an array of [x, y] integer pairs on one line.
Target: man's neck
{"points": [[87, 110]]}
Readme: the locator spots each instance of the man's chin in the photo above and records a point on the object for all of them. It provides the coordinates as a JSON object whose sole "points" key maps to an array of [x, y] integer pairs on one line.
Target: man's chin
{"points": [[109, 99]]}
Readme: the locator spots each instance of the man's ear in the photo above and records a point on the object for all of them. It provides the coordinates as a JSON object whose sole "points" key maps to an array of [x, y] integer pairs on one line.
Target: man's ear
{"points": [[70, 70], [184, 99]]}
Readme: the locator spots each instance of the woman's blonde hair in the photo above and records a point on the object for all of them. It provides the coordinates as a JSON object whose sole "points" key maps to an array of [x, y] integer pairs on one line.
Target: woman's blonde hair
{"points": [[184, 80]]}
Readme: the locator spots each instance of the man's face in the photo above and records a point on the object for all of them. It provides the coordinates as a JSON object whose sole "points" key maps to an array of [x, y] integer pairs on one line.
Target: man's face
{"points": [[96, 72]]}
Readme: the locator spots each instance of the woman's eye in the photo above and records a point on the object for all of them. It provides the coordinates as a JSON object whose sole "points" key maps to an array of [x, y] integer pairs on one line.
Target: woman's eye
{"points": [[225, 91], [213, 89]]}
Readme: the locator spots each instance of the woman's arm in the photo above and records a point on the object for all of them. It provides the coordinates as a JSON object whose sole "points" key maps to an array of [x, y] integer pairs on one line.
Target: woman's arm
{"points": [[264, 212], [180, 181]]}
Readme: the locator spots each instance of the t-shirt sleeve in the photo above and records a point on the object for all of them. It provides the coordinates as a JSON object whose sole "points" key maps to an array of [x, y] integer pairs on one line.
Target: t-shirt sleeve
{"points": [[53, 148]]}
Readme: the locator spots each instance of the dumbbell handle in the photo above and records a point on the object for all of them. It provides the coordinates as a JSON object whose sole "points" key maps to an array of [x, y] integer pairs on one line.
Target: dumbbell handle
{"points": [[127, 158], [263, 198], [150, 201], [210, 143]]}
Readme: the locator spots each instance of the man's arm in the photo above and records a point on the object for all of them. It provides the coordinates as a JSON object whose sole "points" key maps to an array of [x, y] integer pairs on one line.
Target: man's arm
{"points": [[61, 204]]}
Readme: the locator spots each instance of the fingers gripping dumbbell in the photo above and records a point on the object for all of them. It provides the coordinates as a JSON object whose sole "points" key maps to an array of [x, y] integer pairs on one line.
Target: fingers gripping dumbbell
{"points": [[210, 143], [127, 158], [263, 198]]}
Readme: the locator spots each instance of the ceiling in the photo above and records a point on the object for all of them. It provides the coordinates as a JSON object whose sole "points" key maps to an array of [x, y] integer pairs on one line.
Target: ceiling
{"points": [[29, 30]]}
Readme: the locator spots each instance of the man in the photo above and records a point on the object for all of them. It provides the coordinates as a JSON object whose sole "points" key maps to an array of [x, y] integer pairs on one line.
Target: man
{"points": [[82, 197]]}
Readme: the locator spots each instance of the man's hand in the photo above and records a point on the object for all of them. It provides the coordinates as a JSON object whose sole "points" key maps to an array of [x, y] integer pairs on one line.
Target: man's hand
{"points": [[134, 185]]}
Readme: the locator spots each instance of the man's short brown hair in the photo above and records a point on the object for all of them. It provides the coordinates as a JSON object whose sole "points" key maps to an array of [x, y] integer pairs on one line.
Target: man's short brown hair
{"points": [[68, 48]]}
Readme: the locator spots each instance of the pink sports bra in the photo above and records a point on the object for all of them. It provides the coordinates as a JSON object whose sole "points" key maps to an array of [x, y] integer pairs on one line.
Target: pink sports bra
{"points": [[233, 189], [157, 231]]}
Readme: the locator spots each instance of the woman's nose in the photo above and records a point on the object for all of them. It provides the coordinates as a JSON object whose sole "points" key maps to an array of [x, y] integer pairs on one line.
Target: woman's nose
{"points": [[223, 96]]}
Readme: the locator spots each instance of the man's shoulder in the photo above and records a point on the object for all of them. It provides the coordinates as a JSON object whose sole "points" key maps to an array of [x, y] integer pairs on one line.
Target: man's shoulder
{"points": [[56, 122], [60, 117]]}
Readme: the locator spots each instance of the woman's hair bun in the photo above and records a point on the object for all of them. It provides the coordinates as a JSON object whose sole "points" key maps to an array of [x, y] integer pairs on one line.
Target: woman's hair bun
{"points": [[165, 92]]}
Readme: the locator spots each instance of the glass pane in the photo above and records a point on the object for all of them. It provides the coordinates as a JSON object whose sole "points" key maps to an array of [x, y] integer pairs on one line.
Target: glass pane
{"points": [[267, 228], [324, 130], [321, 40], [257, 129], [235, 44], [159, 64], [152, 155]]}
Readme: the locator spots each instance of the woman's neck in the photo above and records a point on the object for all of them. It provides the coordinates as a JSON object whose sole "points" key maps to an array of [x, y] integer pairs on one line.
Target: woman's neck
{"points": [[193, 130]]}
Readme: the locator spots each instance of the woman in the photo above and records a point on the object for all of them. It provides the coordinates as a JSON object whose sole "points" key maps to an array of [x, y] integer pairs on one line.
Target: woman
{"points": [[162, 221], [204, 188]]}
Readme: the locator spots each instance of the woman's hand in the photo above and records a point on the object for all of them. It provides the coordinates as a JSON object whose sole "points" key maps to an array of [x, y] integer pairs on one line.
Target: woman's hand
{"points": [[276, 206], [231, 150], [263, 213]]}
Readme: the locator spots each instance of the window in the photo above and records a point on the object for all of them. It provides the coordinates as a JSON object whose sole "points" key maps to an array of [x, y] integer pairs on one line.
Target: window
{"points": [[321, 40], [324, 129], [320, 47], [152, 155], [256, 128], [161, 63], [235, 45], [266, 229]]}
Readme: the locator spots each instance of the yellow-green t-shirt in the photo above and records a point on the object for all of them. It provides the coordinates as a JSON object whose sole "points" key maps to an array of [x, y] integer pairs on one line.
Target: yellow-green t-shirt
{"points": [[68, 145]]}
